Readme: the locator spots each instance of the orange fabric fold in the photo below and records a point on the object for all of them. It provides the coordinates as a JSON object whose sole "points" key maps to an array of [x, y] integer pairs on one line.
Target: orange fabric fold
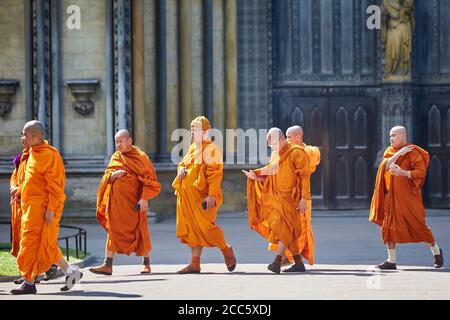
{"points": [[127, 228], [17, 178], [272, 204], [204, 171], [42, 189], [397, 201]]}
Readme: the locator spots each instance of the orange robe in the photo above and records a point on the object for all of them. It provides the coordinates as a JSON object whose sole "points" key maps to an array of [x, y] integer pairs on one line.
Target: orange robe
{"points": [[204, 170], [43, 189], [17, 178], [127, 228], [272, 204], [397, 201], [306, 240]]}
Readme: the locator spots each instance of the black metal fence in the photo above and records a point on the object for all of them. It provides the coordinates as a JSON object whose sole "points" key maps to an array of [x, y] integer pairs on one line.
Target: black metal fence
{"points": [[80, 238]]}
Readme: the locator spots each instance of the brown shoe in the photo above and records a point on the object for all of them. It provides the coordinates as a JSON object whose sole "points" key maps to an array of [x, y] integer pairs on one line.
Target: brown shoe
{"points": [[230, 260], [146, 269], [439, 260], [274, 267], [103, 269], [189, 270], [387, 266]]}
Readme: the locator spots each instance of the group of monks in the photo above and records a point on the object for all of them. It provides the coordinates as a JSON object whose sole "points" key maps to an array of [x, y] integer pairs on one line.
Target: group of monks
{"points": [[278, 195]]}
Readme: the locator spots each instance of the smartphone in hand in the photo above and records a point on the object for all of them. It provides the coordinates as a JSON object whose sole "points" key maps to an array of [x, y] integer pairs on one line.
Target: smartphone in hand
{"points": [[204, 205], [137, 207]]}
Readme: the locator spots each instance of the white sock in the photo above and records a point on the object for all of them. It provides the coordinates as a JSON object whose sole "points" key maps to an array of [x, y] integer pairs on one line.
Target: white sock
{"points": [[435, 249], [70, 269], [30, 283], [392, 256]]}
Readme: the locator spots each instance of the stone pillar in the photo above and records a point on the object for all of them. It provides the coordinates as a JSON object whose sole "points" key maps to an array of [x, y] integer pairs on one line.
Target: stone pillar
{"points": [[163, 155], [29, 99], [397, 109], [109, 77], [42, 64], [123, 64], [138, 74], [230, 69], [185, 47], [208, 66], [56, 73]]}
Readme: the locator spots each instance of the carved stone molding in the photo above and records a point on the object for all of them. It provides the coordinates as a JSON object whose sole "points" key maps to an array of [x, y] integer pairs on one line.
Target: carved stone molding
{"points": [[397, 109], [7, 91], [83, 90]]}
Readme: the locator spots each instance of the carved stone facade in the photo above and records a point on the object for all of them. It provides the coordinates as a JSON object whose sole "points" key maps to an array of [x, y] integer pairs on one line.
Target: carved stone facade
{"points": [[274, 63]]}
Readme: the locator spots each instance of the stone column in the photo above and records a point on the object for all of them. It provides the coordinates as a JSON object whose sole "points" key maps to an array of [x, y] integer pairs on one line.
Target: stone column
{"points": [[56, 73], [123, 64], [185, 59], [109, 77], [138, 74], [230, 69], [163, 155], [208, 66], [42, 64]]}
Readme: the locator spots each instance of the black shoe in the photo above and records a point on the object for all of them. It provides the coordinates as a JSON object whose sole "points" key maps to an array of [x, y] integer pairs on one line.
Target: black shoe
{"points": [[24, 289], [72, 279], [296, 268], [387, 266], [274, 267], [51, 273], [439, 260], [22, 280]]}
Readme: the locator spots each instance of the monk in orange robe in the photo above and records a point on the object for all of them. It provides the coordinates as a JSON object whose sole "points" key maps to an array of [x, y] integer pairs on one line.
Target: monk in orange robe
{"points": [[294, 135], [397, 200], [128, 184], [277, 194], [42, 201], [17, 178], [199, 196]]}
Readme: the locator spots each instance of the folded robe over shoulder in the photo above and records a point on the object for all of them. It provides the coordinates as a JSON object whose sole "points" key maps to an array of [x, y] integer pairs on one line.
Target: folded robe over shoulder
{"points": [[272, 204], [306, 240], [127, 228], [43, 189], [204, 172], [397, 201]]}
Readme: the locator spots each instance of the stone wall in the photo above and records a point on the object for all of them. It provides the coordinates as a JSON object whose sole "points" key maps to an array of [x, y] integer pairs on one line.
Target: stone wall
{"points": [[83, 57], [12, 66]]}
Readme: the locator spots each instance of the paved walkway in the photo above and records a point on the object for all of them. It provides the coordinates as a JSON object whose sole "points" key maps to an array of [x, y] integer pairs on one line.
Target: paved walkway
{"points": [[347, 245]]}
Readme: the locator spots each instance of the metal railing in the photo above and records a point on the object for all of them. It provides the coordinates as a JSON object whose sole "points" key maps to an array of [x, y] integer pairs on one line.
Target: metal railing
{"points": [[80, 238]]}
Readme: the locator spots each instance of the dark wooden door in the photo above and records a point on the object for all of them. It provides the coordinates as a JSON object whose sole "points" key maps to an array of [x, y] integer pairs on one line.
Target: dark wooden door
{"points": [[435, 133], [343, 130], [311, 115], [351, 151]]}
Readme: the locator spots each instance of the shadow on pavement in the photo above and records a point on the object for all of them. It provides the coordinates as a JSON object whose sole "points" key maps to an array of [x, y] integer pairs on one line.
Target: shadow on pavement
{"points": [[107, 282], [428, 270], [81, 293]]}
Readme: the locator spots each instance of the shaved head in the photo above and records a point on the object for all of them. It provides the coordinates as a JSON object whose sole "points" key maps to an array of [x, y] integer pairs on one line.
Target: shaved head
{"points": [[123, 133], [124, 142], [35, 127], [295, 135], [275, 132], [398, 137], [399, 129], [295, 130], [32, 134], [276, 139]]}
